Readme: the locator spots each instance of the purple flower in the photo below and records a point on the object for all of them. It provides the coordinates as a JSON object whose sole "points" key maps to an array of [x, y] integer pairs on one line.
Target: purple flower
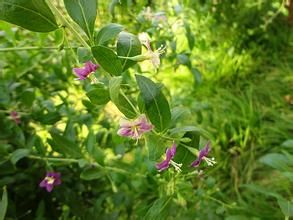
{"points": [[135, 128], [83, 72], [203, 153], [170, 153], [14, 115], [52, 179]]}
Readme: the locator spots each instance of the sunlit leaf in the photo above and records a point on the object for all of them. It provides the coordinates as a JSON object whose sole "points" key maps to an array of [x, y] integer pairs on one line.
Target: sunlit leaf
{"points": [[156, 105], [128, 45], [107, 33], [33, 15], [107, 59], [84, 13], [122, 103]]}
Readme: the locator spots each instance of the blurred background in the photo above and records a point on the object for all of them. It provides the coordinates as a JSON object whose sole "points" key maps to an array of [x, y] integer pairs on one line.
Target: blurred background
{"points": [[229, 64]]}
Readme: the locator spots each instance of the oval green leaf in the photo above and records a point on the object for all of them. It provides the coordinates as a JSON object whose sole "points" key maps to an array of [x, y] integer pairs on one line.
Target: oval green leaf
{"points": [[128, 45], [98, 94], [84, 13], [108, 60], [34, 15], [120, 100], [156, 105], [107, 33]]}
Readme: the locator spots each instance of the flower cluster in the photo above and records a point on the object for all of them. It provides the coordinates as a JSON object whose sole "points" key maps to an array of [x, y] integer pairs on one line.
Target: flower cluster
{"points": [[170, 154], [136, 128]]}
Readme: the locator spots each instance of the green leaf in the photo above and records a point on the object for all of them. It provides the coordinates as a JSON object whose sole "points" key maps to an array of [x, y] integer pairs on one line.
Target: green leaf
{"points": [[91, 173], [159, 209], [33, 15], [140, 103], [189, 35], [183, 59], [288, 144], [107, 33], [107, 59], [186, 153], [178, 114], [3, 204], [128, 45], [49, 118], [19, 154], [98, 94], [275, 160], [286, 207], [94, 151], [64, 145], [28, 97], [119, 100], [261, 189], [84, 54], [84, 13], [184, 129], [197, 75], [156, 105], [155, 145]]}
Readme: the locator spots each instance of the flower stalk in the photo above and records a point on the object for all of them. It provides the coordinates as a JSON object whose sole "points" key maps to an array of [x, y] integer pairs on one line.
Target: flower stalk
{"points": [[67, 24]]}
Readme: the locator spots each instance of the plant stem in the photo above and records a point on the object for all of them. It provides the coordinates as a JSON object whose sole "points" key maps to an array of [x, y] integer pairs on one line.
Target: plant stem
{"points": [[67, 24], [32, 48], [53, 159], [67, 160]]}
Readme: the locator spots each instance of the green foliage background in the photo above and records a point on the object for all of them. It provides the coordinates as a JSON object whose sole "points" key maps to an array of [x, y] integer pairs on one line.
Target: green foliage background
{"points": [[228, 64]]}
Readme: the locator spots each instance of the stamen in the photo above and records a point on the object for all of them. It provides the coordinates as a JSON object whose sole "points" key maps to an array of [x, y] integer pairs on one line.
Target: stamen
{"points": [[161, 49], [177, 166], [210, 161]]}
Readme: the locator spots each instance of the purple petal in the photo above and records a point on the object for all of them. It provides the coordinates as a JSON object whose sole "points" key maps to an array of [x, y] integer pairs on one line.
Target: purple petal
{"points": [[144, 125], [56, 175], [202, 153], [163, 165], [80, 72], [196, 162], [126, 132], [90, 67], [49, 187], [14, 115], [83, 72], [170, 153], [205, 151], [43, 183], [57, 182]]}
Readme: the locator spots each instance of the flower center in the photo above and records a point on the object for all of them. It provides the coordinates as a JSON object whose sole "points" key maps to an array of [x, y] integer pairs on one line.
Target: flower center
{"points": [[50, 180], [135, 130]]}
